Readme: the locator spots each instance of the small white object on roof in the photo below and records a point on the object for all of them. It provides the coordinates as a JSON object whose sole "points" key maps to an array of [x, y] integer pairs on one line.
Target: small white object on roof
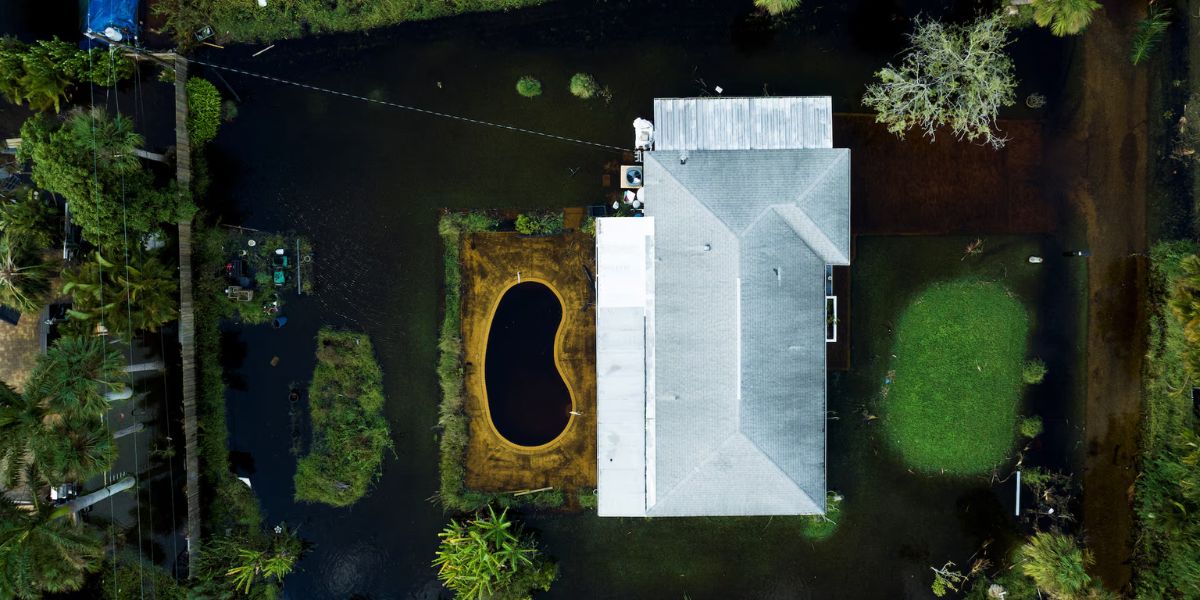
{"points": [[643, 134], [641, 195], [113, 34]]}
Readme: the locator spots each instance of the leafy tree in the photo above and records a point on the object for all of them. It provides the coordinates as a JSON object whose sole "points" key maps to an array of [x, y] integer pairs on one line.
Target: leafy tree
{"points": [[204, 110], [1058, 566], [488, 558], [24, 277], [956, 76], [539, 223], [529, 86], [139, 296], [40, 552], [90, 161], [32, 222], [1064, 17], [44, 73]]}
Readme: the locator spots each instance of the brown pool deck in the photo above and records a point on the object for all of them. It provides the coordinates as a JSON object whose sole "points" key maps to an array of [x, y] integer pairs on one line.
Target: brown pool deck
{"points": [[491, 263]]}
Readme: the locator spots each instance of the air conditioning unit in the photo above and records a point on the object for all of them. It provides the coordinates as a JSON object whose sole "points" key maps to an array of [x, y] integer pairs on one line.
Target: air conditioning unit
{"points": [[631, 176]]}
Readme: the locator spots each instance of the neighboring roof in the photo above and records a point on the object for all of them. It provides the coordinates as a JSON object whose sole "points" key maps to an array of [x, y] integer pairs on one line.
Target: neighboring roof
{"points": [[743, 123], [624, 305], [742, 240]]}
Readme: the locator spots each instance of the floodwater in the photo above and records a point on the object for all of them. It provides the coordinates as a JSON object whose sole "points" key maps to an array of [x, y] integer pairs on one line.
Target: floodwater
{"points": [[527, 398], [365, 183]]}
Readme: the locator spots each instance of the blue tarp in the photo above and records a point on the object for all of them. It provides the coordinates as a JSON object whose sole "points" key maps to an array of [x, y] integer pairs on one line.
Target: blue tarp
{"points": [[120, 15]]}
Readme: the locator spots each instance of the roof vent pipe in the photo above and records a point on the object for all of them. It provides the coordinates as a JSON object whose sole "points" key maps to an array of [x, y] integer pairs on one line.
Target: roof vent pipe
{"points": [[683, 156]]}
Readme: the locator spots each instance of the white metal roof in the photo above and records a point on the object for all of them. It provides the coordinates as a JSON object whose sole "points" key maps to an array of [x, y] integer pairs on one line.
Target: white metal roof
{"points": [[624, 307], [743, 123]]}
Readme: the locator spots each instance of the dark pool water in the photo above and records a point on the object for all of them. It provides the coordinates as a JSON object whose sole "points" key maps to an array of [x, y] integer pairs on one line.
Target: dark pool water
{"points": [[366, 183], [528, 401]]}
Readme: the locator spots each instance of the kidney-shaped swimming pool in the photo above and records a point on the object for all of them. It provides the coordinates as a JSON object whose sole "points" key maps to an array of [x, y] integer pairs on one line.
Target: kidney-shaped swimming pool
{"points": [[527, 399]]}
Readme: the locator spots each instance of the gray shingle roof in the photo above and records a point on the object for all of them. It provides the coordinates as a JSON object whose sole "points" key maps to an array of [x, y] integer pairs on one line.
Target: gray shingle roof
{"points": [[737, 425]]}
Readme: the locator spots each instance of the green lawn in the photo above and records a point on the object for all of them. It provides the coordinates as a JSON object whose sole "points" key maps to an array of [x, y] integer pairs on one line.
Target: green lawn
{"points": [[349, 431], [245, 21], [957, 359]]}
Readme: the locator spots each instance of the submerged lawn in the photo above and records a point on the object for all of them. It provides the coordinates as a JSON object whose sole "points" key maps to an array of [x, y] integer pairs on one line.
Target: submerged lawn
{"points": [[957, 377], [349, 431], [246, 21]]}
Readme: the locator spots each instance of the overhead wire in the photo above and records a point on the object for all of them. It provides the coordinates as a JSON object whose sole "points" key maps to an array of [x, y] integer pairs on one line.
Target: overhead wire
{"points": [[112, 62], [96, 181], [416, 109]]}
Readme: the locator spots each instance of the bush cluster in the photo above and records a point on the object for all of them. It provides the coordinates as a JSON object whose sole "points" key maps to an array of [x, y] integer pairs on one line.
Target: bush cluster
{"points": [[529, 86], [204, 111], [350, 433], [538, 223]]}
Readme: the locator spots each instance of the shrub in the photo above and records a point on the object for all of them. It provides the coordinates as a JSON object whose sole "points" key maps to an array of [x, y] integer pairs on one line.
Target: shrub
{"points": [[451, 419], [956, 76], [539, 223], [489, 558], [584, 86], [529, 87], [588, 499], [821, 527], [952, 406], [1057, 565], [777, 7], [349, 431], [1149, 33], [1030, 427], [204, 111], [589, 226], [1033, 372]]}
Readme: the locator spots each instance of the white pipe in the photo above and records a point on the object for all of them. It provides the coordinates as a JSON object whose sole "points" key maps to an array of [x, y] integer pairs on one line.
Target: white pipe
{"points": [[1017, 510], [123, 394], [85, 501]]}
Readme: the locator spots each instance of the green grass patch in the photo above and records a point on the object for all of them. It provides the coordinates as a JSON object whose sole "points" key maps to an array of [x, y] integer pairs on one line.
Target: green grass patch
{"points": [[350, 433], [822, 527], [245, 21], [959, 351]]}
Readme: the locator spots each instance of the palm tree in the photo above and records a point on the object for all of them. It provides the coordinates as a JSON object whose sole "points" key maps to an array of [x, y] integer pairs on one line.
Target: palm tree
{"points": [[74, 453], [33, 223], [1058, 566], [1064, 17], [140, 297], [24, 280], [69, 378], [42, 553]]}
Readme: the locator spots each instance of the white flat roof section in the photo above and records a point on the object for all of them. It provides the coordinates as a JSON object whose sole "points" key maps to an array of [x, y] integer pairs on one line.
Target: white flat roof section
{"points": [[624, 334]]}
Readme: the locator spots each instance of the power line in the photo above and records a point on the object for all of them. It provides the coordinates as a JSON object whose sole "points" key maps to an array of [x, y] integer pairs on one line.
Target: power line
{"points": [[424, 111]]}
